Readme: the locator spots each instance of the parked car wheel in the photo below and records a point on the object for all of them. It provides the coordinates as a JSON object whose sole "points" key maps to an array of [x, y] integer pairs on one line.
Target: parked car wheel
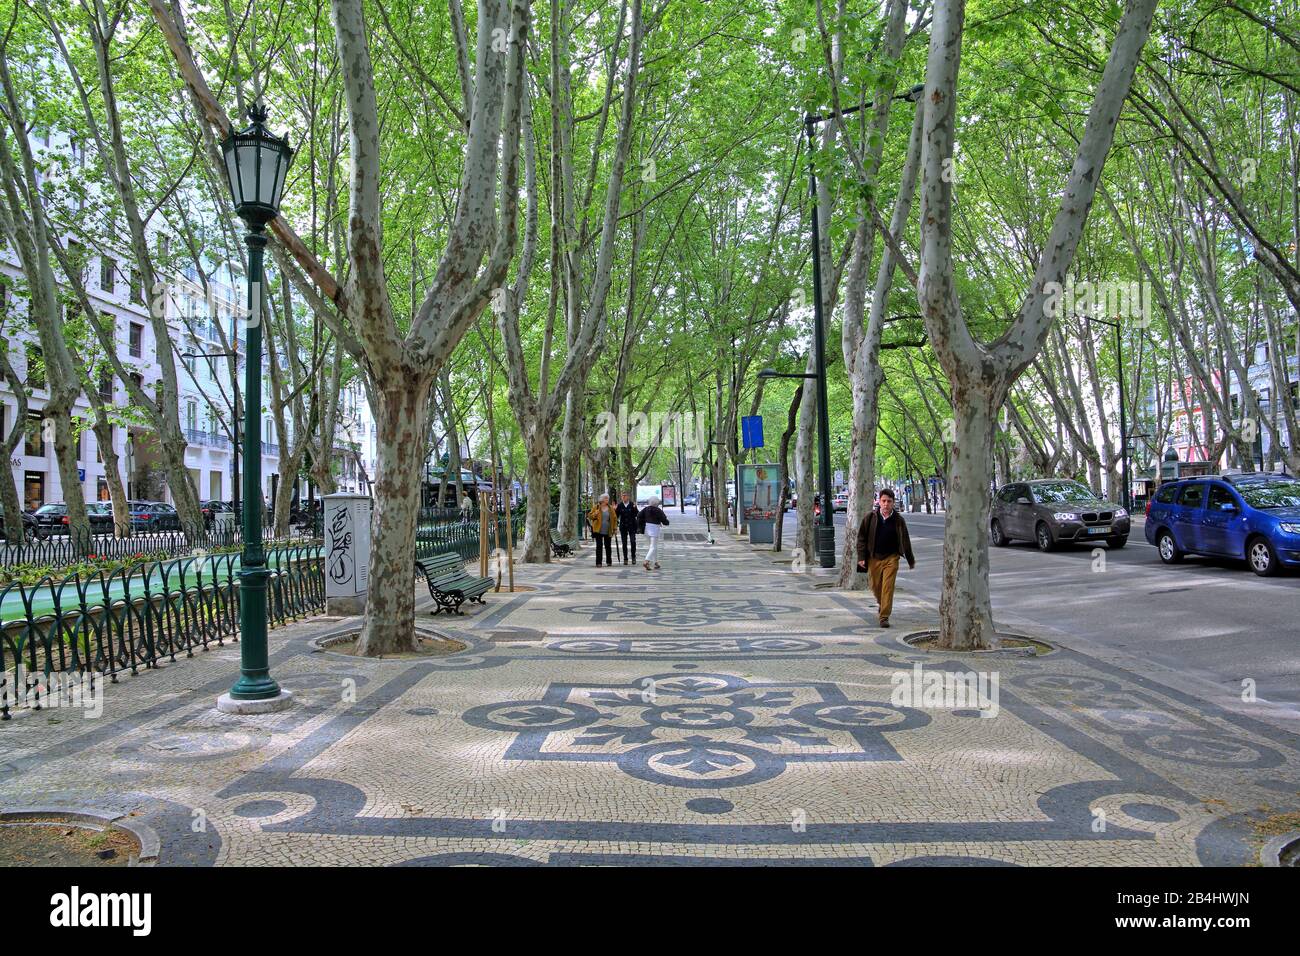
{"points": [[1043, 535], [1118, 542], [999, 539], [1168, 548], [1261, 557]]}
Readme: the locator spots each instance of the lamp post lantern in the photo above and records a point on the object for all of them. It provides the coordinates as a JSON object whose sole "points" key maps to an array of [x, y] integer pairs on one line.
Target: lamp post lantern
{"points": [[256, 163]]}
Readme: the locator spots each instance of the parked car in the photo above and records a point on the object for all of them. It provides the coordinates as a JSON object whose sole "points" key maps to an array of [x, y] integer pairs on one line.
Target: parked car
{"points": [[1255, 518], [839, 502], [29, 524], [1052, 511], [51, 519], [690, 500], [153, 516], [101, 517], [213, 508]]}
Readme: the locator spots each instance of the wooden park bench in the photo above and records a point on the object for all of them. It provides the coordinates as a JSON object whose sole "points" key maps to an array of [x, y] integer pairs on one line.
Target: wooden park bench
{"points": [[562, 549], [449, 585]]}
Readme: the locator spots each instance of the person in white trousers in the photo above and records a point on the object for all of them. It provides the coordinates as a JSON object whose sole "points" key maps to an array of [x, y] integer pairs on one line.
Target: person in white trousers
{"points": [[652, 520]]}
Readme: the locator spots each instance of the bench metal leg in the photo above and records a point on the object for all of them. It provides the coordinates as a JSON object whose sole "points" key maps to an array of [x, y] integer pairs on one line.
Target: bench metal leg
{"points": [[446, 602]]}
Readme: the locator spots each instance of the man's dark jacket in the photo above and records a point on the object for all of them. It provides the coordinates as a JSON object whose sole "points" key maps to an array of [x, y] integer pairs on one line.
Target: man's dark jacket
{"points": [[867, 538], [627, 515]]}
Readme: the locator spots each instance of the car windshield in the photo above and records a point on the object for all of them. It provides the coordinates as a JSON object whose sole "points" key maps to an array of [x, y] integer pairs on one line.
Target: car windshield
{"points": [[1271, 494], [1057, 491], [49, 510]]}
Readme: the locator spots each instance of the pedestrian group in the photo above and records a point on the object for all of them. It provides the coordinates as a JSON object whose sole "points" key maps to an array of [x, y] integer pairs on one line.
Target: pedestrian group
{"points": [[883, 540], [629, 521]]}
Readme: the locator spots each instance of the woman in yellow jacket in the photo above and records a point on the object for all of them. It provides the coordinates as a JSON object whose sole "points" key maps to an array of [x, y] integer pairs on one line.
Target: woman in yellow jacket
{"points": [[603, 520]]}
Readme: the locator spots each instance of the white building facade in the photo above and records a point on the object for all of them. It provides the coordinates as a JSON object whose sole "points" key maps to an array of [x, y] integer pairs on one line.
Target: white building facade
{"points": [[205, 390]]}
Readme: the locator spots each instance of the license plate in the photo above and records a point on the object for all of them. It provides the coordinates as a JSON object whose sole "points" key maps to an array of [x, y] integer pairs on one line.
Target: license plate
{"points": [[1099, 531]]}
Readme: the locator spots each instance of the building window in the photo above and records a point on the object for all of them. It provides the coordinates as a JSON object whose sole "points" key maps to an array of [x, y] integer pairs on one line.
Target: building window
{"points": [[35, 366], [192, 415], [107, 273], [35, 437], [33, 490], [137, 340], [106, 385], [101, 489]]}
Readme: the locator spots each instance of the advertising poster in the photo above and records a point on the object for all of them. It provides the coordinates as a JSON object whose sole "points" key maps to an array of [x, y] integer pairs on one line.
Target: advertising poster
{"points": [[760, 491]]}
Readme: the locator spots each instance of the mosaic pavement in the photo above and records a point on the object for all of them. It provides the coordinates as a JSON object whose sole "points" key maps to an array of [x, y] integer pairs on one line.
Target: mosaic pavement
{"points": [[719, 711]]}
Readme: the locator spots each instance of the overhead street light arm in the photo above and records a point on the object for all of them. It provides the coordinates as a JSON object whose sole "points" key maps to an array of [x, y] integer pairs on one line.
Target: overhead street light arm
{"points": [[911, 96]]}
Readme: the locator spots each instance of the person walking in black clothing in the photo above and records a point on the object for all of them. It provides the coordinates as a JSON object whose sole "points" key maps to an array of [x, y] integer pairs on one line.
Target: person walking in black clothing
{"points": [[882, 540], [627, 524], [653, 521]]}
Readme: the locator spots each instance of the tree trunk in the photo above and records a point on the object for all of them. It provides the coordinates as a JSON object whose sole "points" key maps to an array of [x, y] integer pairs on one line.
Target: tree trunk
{"points": [[113, 477], [566, 528], [537, 523], [13, 510], [13, 516], [401, 419], [965, 611]]}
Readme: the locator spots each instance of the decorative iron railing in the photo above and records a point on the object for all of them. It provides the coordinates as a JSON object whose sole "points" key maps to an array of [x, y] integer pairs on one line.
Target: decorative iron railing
{"points": [[99, 625], [462, 537], [58, 548]]}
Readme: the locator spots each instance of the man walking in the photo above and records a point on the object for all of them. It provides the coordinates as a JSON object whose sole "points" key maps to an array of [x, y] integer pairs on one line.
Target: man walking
{"points": [[882, 539], [627, 522]]}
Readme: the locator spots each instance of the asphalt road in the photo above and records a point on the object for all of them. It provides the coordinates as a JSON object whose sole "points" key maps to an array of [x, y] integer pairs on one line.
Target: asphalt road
{"points": [[1208, 618]]}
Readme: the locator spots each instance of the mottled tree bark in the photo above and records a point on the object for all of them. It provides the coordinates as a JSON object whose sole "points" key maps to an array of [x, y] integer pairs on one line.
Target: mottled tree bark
{"points": [[981, 374]]}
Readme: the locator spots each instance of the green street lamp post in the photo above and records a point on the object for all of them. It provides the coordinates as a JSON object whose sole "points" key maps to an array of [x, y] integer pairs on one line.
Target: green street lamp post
{"points": [[256, 162]]}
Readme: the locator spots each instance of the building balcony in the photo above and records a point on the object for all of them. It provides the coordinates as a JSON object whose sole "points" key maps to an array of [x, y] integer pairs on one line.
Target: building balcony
{"points": [[197, 436]]}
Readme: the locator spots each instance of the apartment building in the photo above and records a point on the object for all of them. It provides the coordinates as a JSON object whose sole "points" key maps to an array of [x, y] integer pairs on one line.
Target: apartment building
{"points": [[204, 365]]}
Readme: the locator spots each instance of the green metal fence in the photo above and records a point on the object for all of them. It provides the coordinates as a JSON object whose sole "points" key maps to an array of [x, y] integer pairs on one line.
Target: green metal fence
{"points": [[461, 537], [109, 623], [58, 548]]}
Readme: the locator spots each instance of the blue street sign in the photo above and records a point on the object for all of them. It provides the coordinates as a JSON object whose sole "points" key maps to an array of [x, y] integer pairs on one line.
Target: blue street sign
{"points": [[81, 474], [751, 431]]}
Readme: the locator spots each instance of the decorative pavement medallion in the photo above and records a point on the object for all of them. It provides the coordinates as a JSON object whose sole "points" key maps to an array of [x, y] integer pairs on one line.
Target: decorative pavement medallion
{"points": [[698, 730], [681, 610]]}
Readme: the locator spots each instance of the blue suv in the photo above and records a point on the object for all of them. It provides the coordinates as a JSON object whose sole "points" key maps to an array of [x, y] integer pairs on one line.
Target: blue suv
{"points": [[1255, 517]]}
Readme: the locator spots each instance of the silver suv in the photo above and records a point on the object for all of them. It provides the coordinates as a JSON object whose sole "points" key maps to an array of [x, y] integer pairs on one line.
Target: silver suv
{"points": [[1054, 510]]}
